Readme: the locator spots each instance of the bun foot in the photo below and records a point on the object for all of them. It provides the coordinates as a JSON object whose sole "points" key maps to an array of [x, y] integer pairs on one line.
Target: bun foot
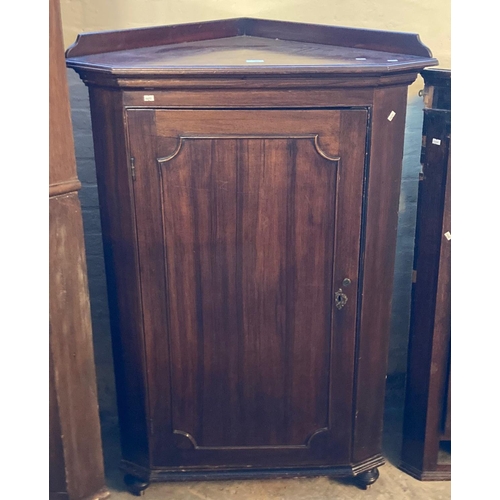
{"points": [[135, 485], [366, 479]]}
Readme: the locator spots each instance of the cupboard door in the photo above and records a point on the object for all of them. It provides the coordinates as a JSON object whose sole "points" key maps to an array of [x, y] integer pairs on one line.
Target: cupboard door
{"points": [[248, 222]]}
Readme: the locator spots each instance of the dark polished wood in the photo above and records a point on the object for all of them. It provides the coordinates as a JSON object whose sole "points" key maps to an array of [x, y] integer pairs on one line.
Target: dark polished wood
{"points": [[367, 478], [247, 55], [377, 261], [122, 270], [437, 94], [258, 50], [249, 213], [126, 40], [427, 408], [236, 473], [76, 462], [135, 485], [249, 262]]}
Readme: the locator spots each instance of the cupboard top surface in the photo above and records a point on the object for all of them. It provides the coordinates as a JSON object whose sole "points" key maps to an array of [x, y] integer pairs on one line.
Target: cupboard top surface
{"points": [[248, 46]]}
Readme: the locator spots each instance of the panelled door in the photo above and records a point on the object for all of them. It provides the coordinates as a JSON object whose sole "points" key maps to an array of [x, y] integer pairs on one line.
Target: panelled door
{"points": [[248, 229]]}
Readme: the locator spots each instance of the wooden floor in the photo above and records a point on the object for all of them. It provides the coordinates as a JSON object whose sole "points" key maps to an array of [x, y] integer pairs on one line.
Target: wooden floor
{"points": [[393, 484]]}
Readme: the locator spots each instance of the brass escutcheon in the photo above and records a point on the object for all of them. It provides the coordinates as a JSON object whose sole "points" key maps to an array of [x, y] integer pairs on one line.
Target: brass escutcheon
{"points": [[340, 299]]}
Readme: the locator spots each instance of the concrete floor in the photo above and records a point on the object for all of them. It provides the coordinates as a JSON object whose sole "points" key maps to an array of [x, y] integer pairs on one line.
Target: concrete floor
{"points": [[393, 484]]}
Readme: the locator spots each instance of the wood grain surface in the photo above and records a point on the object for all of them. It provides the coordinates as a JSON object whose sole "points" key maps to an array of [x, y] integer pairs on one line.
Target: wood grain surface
{"points": [[427, 406], [249, 176], [246, 215], [76, 462]]}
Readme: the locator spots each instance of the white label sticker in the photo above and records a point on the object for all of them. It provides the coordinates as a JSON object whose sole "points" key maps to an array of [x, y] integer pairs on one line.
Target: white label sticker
{"points": [[255, 60], [437, 142], [360, 58], [392, 60], [391, 115], [447, 235], [149, 97]]}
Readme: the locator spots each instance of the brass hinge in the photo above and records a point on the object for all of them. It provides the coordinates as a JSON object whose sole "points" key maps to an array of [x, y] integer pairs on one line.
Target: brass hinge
{"points": [[132, 167], [414, 276]]}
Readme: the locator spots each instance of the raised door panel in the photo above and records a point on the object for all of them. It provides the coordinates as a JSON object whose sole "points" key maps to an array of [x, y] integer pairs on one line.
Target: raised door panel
{"points": [[248, 222]]}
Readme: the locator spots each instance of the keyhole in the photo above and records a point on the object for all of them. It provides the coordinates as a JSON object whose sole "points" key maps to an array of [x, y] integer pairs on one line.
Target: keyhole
{"points": [[340, 299]]}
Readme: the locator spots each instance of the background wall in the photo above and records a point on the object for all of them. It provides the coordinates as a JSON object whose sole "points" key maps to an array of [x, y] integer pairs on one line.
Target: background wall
{"points": [[429, 18]]}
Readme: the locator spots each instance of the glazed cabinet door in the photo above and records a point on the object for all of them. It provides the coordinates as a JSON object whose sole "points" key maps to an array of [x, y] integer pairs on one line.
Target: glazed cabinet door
{"points": [[248, 229]]}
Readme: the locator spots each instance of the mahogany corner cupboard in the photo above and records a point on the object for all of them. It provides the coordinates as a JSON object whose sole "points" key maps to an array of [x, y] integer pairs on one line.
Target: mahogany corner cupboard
{"points": [[249, 174]]}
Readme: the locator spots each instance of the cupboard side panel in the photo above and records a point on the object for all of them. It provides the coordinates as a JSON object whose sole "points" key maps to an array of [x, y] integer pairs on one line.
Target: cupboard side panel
{"points": [[381, 220], [122, 271], [352, 139], [153, 272]]}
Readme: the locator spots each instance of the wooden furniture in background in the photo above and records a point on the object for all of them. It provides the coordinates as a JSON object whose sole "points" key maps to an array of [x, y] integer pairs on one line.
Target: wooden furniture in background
{"points": [[76, 462], [249, 176], [427, 407]]}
